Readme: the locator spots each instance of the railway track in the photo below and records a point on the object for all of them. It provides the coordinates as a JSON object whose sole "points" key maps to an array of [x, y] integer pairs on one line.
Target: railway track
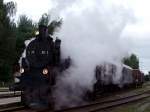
{"points": [[10, 95], [12, 107], [91, 107], [101, 105], [8, 105]]}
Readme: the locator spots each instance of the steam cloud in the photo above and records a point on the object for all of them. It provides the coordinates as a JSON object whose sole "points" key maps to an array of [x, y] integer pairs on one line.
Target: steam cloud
{"points": [[23, 55], [91, 34]]}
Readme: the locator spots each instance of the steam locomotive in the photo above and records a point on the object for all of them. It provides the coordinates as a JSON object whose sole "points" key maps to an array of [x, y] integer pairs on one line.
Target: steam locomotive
{"points": [[39, 70]]}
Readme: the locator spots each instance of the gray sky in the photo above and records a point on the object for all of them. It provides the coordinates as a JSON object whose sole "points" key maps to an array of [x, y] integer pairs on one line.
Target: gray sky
{"points": [[138, 32]]}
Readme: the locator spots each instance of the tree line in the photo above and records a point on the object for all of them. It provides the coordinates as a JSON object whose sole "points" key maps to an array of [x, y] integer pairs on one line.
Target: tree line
{"points": [[13, 35]]}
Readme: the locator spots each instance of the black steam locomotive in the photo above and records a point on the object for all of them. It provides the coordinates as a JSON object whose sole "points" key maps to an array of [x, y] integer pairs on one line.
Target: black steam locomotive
{"points": [[39, 70]]}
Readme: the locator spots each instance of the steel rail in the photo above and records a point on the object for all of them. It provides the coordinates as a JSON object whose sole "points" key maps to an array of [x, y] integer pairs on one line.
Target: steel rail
{"points": [[93, 107], [12, 107], [10, 95]]}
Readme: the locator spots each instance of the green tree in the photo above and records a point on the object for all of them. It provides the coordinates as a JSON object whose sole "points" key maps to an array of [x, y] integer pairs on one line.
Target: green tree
{"points": [[52, 25], [7, 39], [25, 30], [132, 61], [147, 76]]}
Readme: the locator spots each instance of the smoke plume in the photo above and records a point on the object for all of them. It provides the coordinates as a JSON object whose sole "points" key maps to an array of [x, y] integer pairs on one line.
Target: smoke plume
{"points": [[24, 52], [91, 35]]}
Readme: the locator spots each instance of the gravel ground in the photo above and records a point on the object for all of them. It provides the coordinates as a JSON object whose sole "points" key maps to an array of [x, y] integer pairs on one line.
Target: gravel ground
{"points": [[9, 100]]}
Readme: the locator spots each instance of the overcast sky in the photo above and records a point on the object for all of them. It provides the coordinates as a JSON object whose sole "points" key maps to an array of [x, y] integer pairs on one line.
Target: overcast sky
{"points": [[138, 31]]}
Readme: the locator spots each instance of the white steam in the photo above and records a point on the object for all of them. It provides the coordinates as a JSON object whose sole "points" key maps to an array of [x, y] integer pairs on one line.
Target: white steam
{"points": [[24, 52], [90, 34]]}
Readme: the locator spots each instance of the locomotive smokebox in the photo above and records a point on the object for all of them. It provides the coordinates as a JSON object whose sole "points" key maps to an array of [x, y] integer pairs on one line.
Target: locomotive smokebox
{"points": [[43, 32]]}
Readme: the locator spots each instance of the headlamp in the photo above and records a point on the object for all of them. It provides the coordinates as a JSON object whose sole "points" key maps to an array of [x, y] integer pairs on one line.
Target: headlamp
{"points": [[37, 33], [17, 80], [45, 71], [22, 70]]}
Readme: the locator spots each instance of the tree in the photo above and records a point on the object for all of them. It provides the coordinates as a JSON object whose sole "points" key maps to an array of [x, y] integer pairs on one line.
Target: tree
{"points": [[25, 30], [11, 8], [147, 76], [7, 39], [132, 61], [52, 25], [12, 36]]}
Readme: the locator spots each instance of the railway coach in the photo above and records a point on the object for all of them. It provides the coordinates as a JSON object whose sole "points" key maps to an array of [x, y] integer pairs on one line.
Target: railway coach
{"points": [[106, 74]]}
